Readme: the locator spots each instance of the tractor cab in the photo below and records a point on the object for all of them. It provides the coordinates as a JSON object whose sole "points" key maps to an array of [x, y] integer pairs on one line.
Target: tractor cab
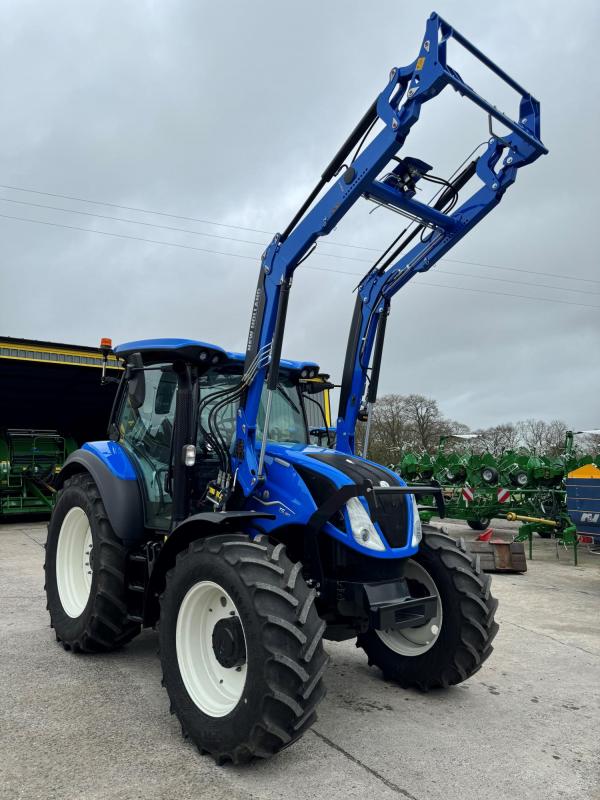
{"points": [[162, 419]]}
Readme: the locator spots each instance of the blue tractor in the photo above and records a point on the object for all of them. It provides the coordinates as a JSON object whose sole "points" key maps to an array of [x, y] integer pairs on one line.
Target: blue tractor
{"points": [[209, 512]]}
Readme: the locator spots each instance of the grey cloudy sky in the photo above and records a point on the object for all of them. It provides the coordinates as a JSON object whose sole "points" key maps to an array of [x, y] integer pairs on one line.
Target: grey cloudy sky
{"points": [[228, 112]]}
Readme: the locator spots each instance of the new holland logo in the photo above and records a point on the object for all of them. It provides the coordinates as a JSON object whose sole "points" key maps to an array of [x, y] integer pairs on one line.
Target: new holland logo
{"points": [[588, 516]]}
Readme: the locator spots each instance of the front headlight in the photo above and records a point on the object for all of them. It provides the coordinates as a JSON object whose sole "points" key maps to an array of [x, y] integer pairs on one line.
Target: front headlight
{"points": [[362, 528], [417, 532]]}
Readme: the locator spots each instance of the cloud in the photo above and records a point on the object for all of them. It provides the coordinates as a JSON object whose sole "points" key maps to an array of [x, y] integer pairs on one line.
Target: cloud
{"points": [[229, 112]]}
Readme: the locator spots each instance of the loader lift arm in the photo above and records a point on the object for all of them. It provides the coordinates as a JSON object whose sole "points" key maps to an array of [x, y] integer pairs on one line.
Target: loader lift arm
{"points": [[398, 107]]}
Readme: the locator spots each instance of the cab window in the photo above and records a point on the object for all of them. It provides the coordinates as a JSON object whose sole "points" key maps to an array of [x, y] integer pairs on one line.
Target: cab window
{"points": [[287, 423], [146, 432]]}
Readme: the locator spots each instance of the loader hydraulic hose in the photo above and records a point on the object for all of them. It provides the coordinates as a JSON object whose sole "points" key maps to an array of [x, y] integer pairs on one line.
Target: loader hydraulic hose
{"points": [[451, 190], [277, 343], [377, 355], [336, 162]]}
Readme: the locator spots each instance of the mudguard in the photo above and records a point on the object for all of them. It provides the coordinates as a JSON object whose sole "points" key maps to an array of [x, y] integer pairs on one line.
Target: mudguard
{"points": [[117, 483], [197, 526]]}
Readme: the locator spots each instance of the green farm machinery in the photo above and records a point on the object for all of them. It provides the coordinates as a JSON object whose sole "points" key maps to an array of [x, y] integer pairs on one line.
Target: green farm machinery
{"points": [[518, 485], [29, 461], [50, 401]]}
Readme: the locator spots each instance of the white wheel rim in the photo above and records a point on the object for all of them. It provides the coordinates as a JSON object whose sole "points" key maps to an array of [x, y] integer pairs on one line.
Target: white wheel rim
{"points": [[216, 690], [416, 641], [73, 562]]}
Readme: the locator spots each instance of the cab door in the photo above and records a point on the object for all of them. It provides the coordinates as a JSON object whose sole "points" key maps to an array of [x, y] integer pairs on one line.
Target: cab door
{"points": [[146, 433]]}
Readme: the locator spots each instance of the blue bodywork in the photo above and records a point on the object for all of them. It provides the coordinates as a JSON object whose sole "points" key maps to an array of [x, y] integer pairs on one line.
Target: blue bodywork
{"points": [[172, 345], [112, 455], [143, 345], [583, 503], [285, 494]]}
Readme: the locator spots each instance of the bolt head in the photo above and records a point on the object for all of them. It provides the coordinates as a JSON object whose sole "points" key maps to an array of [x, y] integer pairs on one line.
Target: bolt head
{"points": [[509, 160], [494, 185], [394, 124], [524, 120]]}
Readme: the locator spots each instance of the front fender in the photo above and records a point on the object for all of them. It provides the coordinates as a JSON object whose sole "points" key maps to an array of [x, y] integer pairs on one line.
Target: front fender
{"points": [[113, 474], [198, 526]]}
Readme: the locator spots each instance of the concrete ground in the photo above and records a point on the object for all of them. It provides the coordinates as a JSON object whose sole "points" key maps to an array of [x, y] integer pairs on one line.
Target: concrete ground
{"points": [[527, 726]]}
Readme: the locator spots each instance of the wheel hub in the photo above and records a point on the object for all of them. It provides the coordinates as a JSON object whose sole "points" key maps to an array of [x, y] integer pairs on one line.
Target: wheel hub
{"points": [[228, 643], [418, 640], [211, 648], [74, 562]]}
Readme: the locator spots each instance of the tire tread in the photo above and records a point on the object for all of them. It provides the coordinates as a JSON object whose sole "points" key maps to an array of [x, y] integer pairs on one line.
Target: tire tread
{"points": [[292, 639]]}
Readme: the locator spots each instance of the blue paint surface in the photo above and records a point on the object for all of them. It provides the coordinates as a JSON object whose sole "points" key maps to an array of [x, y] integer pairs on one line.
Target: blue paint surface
{"points": [[114, 457]]}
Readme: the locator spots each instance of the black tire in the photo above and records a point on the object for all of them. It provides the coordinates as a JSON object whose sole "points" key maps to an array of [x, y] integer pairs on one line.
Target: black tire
{"points": [[467, 630], [478, 524], [284, 649], [103, 623]]}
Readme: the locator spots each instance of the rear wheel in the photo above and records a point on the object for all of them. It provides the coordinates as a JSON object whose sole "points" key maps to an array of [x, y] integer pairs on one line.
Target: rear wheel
{"points": [[478, 524], [85, 572], [241, 647], [454, 644]]}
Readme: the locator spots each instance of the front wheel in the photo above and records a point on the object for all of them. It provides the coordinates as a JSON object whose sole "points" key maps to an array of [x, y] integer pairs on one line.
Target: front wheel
{"points": [[453, 645], [241, 647]]}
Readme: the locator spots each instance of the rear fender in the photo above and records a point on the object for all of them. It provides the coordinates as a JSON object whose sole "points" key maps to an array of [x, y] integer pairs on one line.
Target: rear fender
{"points": [[117, 483]]}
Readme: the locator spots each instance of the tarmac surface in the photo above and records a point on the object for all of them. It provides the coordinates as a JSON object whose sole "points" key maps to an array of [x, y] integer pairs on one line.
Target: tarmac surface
{"points": [[527, 726]]}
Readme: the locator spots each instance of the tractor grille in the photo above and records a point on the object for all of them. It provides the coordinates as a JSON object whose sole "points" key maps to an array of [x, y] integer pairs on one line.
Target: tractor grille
{"points": [[389, 510]]}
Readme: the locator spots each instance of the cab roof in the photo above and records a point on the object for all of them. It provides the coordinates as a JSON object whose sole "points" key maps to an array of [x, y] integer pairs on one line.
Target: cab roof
{"points": [[155, 350]]}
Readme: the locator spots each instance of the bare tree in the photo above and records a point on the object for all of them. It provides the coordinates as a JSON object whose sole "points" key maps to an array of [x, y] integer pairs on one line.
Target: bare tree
{"points": [[403, 423], [499, 438], [390, 432], [588, 443], [556, 431], [425, 421], [533, 434]]}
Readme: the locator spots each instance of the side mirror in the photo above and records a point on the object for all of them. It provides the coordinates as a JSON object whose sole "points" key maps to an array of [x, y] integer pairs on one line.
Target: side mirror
{"points": [[323, 433], [136, 381], [314, 387]]}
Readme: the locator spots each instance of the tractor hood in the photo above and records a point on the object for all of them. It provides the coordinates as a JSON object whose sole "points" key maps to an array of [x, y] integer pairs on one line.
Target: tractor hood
{"points": [[301, 481], [339, 468]]}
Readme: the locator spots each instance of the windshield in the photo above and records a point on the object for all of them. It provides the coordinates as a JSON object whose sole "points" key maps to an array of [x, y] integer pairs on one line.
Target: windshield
{"points": [[287, 423]]}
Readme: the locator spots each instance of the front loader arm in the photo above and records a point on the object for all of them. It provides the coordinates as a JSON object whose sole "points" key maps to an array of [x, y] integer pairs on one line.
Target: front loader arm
{"points": [[377, 288], [398, 107]]}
